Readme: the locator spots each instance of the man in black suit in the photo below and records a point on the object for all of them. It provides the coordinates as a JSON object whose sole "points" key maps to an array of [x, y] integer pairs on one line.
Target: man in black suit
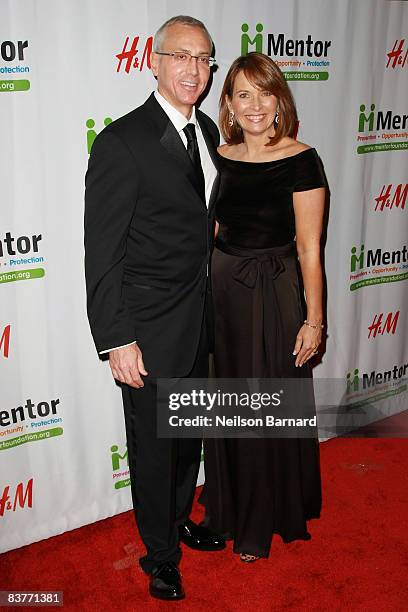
{"points": [[149, 225]]}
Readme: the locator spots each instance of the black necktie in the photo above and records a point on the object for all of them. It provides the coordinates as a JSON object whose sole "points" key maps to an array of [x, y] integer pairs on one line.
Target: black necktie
{"points": [[194, 154]]}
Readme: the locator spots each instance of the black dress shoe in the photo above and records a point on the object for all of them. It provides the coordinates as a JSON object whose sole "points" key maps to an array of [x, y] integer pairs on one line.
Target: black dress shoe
{"points": [[165, 582], [199, 537]]}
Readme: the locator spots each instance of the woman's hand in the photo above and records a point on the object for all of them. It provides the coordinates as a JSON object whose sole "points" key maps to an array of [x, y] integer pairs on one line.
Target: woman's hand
{"points": [[307, 341]]}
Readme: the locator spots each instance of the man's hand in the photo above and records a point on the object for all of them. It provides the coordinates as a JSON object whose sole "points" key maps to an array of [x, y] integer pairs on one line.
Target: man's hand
{"points": [[127, 365]]}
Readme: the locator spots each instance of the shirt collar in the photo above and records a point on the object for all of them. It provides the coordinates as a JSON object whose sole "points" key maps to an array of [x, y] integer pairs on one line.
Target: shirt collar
{"points": [[178, 119]]}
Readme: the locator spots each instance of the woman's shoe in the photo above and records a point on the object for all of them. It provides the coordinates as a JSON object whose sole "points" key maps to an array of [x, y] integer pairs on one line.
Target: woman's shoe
{"points": [[248, 558]]}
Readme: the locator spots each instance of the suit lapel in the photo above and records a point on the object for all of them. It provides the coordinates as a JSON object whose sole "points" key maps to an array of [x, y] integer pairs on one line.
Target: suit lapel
{"points": [[173, 144], [171, 141]]}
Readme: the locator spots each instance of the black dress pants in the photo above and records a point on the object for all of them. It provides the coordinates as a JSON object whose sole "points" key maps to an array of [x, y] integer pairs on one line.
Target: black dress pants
{"points": [[163, 471]]}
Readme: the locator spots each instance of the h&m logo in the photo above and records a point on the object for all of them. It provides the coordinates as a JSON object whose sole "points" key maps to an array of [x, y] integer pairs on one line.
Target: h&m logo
{"points": [[130, 55], [396, 57], [389, 199], [11, 500], [380, 326], [5, 341]]}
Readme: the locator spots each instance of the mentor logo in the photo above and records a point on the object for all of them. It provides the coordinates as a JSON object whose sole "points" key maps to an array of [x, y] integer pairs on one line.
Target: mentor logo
{"points": [[398, 56], [251, 44], [120, 467], [129, 58], [15, 497], [391, 197], [385, 129], [352, 381], [372, 386], [12, 53], [377, 266], [380, 120], [30, 422], [18, 252], [91, 132], [306, 58]]}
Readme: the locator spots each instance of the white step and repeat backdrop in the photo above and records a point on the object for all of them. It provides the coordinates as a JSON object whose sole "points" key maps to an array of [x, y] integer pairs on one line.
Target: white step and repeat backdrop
{"points": [[67, 68]]}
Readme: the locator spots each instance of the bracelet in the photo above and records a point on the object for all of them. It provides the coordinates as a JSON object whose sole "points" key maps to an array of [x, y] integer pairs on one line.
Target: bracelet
{"points": [[318, 326]]}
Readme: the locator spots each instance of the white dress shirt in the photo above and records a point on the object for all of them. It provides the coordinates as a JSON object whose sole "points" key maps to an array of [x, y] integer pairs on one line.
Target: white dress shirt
{"points": [[180, 121]]}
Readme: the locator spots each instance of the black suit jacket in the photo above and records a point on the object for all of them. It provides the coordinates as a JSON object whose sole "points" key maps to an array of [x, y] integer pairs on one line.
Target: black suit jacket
{"points": [[148, 239]]}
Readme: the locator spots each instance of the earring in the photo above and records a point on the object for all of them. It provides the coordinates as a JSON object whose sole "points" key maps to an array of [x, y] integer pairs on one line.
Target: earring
{"points": [[277, 117], [231, 119]]}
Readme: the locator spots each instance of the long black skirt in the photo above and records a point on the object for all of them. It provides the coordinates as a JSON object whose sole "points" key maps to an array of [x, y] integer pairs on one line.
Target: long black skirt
{"points": [[259, 487]]}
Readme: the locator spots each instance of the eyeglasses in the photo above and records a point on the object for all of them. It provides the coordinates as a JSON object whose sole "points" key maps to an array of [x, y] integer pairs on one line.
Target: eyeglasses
{"points": [[184, 58]]}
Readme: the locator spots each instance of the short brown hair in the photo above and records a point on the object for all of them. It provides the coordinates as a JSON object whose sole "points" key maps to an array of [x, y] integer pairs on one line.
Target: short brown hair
{"points": [[262, 72]]}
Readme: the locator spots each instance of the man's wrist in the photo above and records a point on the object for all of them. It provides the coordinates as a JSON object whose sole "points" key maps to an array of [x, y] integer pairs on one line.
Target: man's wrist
{"points": [[115, 348]]}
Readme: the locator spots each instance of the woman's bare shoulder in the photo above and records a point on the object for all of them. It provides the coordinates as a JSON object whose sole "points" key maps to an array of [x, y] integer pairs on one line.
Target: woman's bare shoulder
{"points": [[293, 147], [222, 149], [229, 151]]}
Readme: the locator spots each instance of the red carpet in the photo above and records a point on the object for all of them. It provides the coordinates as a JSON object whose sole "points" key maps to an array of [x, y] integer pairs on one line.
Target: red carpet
{"points": [[357, 558]]}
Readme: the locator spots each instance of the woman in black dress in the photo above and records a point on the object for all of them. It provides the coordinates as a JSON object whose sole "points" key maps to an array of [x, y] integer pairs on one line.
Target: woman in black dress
{"points": [[269, 214]]}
